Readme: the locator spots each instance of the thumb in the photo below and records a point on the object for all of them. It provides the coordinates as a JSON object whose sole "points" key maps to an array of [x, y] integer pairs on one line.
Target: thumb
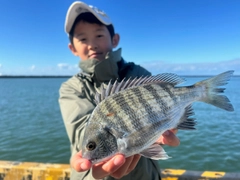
{"points": [[80, 164], [170, 139]]}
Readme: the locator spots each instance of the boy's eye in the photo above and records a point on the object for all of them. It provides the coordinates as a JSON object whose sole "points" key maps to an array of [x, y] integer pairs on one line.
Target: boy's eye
{"points": [[100, 35], [83, 39]]}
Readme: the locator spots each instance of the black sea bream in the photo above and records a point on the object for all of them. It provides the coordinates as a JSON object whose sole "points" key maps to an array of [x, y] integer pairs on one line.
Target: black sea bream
{"points": [[131, 115]]}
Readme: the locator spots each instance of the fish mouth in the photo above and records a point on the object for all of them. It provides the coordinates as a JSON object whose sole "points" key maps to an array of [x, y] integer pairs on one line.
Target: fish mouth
{"points": [[100, 161]]}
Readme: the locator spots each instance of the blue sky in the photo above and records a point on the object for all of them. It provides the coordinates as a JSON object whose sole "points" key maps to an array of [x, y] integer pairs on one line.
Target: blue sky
{"points": [[182, 36]]}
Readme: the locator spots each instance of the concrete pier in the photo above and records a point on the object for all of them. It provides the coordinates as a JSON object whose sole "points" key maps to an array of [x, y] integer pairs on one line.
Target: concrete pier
{"points": [[10, 170]]}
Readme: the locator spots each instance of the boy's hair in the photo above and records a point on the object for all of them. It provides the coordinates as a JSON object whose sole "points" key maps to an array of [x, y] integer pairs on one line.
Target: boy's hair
{"points": [[89, 18]]}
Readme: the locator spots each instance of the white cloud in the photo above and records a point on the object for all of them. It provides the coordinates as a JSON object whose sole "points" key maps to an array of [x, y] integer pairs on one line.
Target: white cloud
{"points": [[63, 66], [178, 68], [32, 67], [76, 66], [154, 67], [211, 68], [0, 68]]}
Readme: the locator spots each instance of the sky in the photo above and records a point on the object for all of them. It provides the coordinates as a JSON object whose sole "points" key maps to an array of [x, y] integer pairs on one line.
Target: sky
{"points": [[187, 37]]}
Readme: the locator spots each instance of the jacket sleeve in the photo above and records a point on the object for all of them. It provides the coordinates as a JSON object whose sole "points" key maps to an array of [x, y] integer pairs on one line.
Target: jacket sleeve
{"points": [[76, 109]]}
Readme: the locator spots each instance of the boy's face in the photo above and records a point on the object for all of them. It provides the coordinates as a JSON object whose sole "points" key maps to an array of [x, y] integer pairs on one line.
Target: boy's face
{"points": [[92, 41]]}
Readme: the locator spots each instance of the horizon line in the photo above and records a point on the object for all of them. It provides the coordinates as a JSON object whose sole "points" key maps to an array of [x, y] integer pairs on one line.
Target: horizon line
{"points": [[68, 76]]}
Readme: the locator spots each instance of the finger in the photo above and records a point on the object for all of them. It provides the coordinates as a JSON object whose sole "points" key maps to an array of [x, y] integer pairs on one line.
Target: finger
{"points": [[80, 164], [174, 130], [170, 139], [103, 170], [123, 169], [134, 163]]}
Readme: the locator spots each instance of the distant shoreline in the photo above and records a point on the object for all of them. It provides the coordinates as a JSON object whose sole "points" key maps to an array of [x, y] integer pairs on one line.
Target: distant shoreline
{"points": [[37, 76], [68, 76]]}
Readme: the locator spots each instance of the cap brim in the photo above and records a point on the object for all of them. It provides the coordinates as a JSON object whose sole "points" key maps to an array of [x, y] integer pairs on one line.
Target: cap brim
{"points": [[79, 7]]}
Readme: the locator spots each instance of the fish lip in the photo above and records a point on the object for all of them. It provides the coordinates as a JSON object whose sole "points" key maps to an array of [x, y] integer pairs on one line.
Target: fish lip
{"points": [[100, 161]]}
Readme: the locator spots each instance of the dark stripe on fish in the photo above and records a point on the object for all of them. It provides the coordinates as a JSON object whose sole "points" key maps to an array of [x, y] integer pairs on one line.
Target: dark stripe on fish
{"points": [[151, 115], [135, 118], [158, 98], [129, 111], [120, 102], [109, 107], [138, 138], [167, 88]]}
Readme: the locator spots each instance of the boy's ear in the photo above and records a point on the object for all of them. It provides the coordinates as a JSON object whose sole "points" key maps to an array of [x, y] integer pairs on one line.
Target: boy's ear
{"points": [[72, 49], [115, 40]]}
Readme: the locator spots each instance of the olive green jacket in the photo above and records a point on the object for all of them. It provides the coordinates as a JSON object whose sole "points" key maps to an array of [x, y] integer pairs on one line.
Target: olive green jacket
{"points": [[77, 103]]}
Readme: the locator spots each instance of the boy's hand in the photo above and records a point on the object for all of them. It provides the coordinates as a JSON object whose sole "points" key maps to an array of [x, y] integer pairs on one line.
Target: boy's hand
{"points": [[118, 166], [169, 138]]}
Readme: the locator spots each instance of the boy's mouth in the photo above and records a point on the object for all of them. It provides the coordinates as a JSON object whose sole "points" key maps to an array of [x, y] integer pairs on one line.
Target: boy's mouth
{"points": [[95, 55]]}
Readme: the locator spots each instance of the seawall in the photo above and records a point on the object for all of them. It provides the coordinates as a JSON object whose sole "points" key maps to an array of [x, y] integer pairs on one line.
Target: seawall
{"points": [[10, 170]]}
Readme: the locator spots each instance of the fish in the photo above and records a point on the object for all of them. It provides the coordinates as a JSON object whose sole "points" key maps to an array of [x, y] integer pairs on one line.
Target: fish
{"points": [[131, 115]]}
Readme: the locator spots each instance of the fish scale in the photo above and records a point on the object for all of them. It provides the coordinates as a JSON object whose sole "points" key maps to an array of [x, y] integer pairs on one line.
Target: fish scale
{"points": [[163, 101], [131, 115], [134, 107]]}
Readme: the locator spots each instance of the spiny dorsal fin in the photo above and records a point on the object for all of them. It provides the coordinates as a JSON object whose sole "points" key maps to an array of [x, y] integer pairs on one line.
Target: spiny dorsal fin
{"points": [[127, 83]]}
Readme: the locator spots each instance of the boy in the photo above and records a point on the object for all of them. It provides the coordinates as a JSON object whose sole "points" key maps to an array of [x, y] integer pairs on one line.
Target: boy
{"points": [[92, 39]]}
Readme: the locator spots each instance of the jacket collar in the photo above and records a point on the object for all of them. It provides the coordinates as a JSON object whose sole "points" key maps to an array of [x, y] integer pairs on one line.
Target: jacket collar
{"points": [[102, 71]]}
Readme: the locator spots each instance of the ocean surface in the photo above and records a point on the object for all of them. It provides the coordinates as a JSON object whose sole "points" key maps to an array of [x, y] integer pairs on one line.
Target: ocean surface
{"points": [[31, 128]]}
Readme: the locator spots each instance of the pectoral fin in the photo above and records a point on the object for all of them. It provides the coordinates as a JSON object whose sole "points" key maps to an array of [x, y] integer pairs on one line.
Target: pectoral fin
{"points": [[155, 152]]}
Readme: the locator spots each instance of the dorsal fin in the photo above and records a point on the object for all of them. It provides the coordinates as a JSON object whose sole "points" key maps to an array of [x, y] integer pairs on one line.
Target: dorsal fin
{"points": [[127, 83]]}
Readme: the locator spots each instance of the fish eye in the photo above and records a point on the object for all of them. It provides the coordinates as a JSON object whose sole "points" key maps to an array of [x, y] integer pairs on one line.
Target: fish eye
{"points": [[91, 146]]}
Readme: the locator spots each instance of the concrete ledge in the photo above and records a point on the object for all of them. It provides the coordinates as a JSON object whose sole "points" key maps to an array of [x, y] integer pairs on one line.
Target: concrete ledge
{"points": [[10, 170], [179, 174]]}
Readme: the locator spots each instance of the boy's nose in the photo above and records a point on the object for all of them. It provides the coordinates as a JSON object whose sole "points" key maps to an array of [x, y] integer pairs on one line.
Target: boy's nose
{"points": [[92, 45]]}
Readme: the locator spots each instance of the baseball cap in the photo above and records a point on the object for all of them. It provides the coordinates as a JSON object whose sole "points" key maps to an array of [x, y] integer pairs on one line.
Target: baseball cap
{"points": [[79, 7]]}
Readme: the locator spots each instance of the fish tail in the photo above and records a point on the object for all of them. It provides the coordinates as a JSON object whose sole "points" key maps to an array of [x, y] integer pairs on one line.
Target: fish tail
{"points": [[213, 91]]}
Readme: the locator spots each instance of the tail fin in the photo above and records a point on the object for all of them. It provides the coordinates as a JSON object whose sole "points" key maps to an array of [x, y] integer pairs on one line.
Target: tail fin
{"points": [[213, 91]]}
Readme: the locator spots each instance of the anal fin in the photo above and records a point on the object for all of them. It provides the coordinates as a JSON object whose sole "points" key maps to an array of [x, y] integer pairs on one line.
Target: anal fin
{"points": [[155, 152]]}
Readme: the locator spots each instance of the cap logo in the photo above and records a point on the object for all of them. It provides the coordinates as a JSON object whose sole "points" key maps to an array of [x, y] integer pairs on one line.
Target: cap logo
{"points": [[98, 11]]}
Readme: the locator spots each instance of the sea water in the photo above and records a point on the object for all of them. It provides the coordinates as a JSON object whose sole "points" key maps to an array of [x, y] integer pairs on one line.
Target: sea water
{"points": [[32, 130]]}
